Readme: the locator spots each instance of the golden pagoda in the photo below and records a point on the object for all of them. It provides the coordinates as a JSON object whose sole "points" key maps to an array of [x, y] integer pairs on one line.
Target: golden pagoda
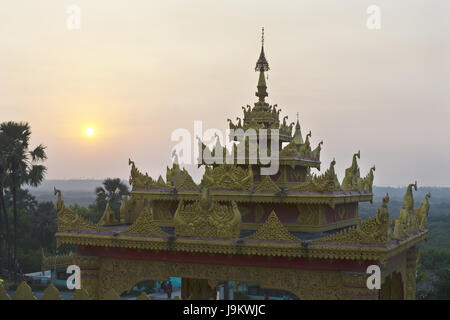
{"points": [[293, 230]]}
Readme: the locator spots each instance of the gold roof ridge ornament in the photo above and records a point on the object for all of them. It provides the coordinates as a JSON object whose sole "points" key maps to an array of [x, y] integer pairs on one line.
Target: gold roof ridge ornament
{"points": [[139, 180], [273, 229], [69, 220], [326, 182], [411, 220]]}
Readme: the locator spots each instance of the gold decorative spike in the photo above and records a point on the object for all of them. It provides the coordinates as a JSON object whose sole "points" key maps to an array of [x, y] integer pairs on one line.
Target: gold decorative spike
{"points": [[327, 182], [315, 154], [273, 229], [3, 294], [51, 293], [139, 180], [111, 294], [144, 224], [59, 201], [108, 217], [367, 181], [23, 292], [352, 179], [406, 222], [267, 184], [80, 294], [421, 214], [143, 296], [207, 219]]}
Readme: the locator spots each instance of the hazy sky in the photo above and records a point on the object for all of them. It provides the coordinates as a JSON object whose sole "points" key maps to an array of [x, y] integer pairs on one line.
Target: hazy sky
{"points": [[137, 70]]}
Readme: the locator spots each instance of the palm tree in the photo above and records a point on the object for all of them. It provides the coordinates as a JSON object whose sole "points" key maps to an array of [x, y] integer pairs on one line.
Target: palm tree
{"points": [[4, 238], [45, 223], [112, 192], [21, 165]]}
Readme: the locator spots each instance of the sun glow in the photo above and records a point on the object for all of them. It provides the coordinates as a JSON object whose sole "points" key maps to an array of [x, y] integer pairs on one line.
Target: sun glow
{"points": [[89, 132]]}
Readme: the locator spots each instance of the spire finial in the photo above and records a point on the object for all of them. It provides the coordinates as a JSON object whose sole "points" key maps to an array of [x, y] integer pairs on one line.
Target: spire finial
{"points": [[297, 116], [262, 37]]}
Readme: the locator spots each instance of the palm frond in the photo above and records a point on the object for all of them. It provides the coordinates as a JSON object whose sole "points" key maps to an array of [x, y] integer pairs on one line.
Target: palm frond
{"points": [[38, 154]]}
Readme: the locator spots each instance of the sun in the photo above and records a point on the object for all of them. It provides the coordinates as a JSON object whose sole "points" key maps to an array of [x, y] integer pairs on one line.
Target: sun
{"points": [[89, 132]]}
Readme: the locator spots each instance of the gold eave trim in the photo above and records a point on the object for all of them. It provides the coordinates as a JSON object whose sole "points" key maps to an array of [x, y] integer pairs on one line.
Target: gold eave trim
{"points": [[269, 197], [372, 252]]}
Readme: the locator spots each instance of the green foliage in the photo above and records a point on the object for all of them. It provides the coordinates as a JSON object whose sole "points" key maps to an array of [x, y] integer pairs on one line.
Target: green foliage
{"points": [[90, 213], [112, 192]]}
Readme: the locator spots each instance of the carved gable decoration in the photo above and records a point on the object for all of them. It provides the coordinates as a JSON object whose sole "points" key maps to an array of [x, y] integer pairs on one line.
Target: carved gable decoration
{"points": [[69, 220], [267, 185], [180, 179], [145, 224], [207, 219], [228, 177], [273, 229]]}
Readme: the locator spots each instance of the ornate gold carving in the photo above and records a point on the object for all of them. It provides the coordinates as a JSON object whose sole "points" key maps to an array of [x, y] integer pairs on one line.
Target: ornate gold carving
{"points": [[421, 214], [208, 219], [180, 179], [352, 179], [144, 224], [367, 181], [308, 214], [273, 229], [267, 185], [228, 177], [122, 275], [327, 182], [68, 220], [139, 180], [161, 210], [373, 231], [411, 220]]}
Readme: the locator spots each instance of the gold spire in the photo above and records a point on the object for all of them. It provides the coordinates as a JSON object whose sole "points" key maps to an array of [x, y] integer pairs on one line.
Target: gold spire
{"points": [[262, 65]]}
